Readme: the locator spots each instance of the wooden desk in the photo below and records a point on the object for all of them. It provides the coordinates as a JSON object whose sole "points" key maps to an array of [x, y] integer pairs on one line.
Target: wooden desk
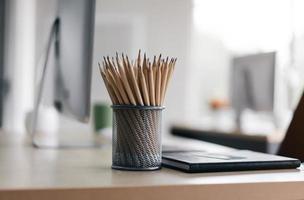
{"points": [[28, 173]]}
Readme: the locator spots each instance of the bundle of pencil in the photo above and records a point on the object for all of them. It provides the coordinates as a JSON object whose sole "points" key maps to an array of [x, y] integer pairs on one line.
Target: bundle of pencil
{"points": [[140, 82], [136, 132]]}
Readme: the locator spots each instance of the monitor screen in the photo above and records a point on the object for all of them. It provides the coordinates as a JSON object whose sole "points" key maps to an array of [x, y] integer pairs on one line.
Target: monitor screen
{"points": [[74, 57], [252, 82]]}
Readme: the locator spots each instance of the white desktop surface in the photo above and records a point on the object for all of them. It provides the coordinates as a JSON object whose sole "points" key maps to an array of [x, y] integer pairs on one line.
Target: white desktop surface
{"points": [[29, 173]]}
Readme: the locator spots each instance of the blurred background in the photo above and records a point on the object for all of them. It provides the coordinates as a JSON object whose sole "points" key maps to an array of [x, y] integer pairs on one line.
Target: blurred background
{"points": [[210, 38]]}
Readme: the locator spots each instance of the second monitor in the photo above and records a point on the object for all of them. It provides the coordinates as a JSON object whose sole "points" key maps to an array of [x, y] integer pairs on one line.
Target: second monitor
{"points": [[253, 83]]}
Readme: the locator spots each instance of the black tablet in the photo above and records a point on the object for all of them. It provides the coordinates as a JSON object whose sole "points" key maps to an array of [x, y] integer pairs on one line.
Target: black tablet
{"points": [[238, 160]]}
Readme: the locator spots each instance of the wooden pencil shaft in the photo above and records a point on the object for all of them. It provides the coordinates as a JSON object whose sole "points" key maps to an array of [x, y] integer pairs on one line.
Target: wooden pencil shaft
{"points": [[125, 81], [113, 99], [138, 58], [118, 81], [135, 84], [116, 94], [151, 85], [163, 80], [121, 88], [171, 69], [158, 84], [143, 87], [111, 93], [130, 81], [139, 82], [111, 82], [145, 71]]}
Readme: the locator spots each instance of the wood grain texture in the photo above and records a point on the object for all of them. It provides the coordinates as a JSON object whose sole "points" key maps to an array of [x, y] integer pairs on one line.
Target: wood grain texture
{"points": [[28, 173], [267, 191]]}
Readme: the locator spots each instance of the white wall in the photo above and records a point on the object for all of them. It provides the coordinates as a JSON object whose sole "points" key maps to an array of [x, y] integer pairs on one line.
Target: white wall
{"points": [[19, 62], [226, 28], [123, 26], [209, 75], [153, 26]]}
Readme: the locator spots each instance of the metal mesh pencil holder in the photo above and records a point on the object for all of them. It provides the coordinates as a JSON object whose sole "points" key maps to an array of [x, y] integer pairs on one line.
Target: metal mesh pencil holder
{"points": [[136, 137]]}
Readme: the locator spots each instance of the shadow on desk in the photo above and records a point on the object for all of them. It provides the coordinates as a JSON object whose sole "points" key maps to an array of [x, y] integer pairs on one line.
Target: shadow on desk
{"points": [[235, 173]]}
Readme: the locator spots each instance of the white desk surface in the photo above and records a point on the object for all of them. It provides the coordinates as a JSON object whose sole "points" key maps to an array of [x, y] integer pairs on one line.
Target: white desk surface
{"points": [[29, 173]]}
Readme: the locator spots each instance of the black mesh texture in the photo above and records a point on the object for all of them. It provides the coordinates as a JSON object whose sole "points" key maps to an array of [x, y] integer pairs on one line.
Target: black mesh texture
{"points": [[136, 138]]}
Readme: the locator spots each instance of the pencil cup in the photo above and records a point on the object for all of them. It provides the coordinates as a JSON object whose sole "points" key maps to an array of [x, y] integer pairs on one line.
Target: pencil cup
{"points": [[136, 137]]}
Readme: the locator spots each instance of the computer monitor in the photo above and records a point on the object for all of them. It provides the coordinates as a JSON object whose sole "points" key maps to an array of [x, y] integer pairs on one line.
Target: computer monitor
{"points": [[72, 38], [75, 46], [2, 21], [252, 83]]}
